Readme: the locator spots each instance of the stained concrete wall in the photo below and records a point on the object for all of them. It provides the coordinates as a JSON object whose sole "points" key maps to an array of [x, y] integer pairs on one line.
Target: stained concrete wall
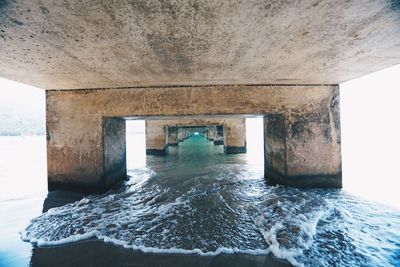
{"points": [[156, 138], [161, 133], [213, 134], [219, 139], [235, 137], [75, 145], [304, 149], [172, 137], [114, 142]]}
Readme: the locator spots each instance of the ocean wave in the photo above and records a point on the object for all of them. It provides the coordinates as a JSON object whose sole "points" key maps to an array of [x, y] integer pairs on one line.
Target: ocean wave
{"points": [[237, 212]]}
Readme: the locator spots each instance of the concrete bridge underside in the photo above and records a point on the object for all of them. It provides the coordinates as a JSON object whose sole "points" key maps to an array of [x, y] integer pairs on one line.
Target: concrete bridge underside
{"points": [[163, 133], [108, 44], [102, 62]]}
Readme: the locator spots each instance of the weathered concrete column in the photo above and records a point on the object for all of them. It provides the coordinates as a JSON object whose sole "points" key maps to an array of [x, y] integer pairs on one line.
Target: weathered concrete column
{"points": [[181, 135], [302, 148], [172, 138], [235, 136], [114, 150], [156, 138], [211, 133], [86, 152], [219, 139]]}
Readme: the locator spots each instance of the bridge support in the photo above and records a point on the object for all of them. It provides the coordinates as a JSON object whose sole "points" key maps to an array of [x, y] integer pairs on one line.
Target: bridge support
{"points": [[163, 133], [156, 137], [86, 130], [303, 149], [235, 137]]}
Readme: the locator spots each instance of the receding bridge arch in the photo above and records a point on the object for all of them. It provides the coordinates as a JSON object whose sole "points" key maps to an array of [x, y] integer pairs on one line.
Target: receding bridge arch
{"points": [[86, 129], [230, 132]]}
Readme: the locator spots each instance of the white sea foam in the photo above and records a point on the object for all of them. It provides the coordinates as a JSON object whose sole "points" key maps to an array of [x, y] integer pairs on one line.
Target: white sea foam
{"points": [[83, 201], [174, 250], [288, 222], [224, 208]]}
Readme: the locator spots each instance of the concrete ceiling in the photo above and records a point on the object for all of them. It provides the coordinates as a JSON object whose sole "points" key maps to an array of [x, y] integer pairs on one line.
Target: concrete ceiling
{"points": [[103, 44]]}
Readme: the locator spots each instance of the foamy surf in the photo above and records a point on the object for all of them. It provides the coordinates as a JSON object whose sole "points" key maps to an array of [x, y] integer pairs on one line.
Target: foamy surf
{"points": [[184, 207]]}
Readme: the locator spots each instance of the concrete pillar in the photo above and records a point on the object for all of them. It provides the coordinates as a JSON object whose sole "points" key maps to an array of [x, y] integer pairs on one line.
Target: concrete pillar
{"points": [[114, 142], [303, 149], [219, 137], [181, 134], [211, 133], [235, 136], [172, 138], [185, 134], [86, 155], [216, 138], [156, 136]]}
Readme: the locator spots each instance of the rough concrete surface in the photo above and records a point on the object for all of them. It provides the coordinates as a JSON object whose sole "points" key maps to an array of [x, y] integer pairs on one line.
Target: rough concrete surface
{"points": [[303, 149], [107, 44], [114, 145], [156, 137], [235, 137], [75, 131]]}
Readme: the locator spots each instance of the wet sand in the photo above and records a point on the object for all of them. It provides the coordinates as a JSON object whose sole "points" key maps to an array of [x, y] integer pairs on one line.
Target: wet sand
{"points": [[97, 253]]}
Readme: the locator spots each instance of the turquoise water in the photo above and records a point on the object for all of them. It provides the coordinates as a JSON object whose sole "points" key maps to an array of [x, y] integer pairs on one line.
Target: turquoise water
{"points": [[199, 201]]}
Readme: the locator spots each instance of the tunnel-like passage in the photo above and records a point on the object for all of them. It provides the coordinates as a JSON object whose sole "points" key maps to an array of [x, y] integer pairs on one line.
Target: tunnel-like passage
{"points": [[86, 129], [230, 132], [178, 134]]}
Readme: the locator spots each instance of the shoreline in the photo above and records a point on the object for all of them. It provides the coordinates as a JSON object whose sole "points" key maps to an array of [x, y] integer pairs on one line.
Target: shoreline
{"points": [[94, 252]]}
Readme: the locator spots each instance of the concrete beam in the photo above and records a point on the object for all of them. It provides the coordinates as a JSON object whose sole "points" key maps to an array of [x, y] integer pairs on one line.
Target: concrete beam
{"points": [[78, 44], [75, 126]]}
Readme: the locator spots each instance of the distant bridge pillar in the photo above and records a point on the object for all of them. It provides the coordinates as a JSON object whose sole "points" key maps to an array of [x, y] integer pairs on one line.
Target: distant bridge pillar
{"points": [[235, 136], [172, 136], [162, 133], [219, 137], [156, 136]]}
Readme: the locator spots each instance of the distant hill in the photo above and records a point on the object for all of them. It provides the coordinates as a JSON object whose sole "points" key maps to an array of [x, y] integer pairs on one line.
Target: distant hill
{"points": [[14, 122], [22, 109]]}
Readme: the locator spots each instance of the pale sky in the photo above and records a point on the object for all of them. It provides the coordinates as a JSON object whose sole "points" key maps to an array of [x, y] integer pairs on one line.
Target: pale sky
{"points": [[21, 96], [370, 111]]}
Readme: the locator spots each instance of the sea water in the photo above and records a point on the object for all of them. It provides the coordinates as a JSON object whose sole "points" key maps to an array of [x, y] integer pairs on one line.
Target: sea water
{"points": [[200, 201]]}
